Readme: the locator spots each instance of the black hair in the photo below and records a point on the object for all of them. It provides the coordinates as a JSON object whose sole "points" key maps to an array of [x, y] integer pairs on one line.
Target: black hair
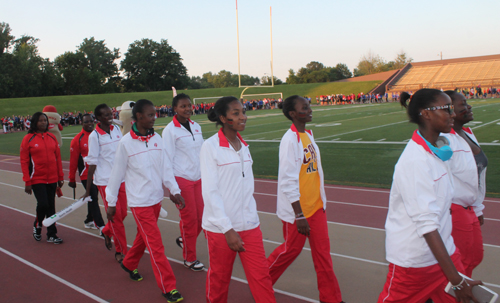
{"points": [[220, 109], [87, 115], [179, 97], [138, 107], [422, 99], [452, 94], [289, 105], [98, 108], [34, 121]]}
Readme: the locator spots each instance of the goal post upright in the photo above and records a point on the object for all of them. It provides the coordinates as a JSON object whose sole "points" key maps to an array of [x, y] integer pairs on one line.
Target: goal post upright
{"points": [[238, 43], [271, 31]]}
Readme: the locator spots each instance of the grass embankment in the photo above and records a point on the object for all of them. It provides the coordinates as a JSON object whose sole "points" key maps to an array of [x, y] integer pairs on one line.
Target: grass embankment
{"points": [[28, 106]]}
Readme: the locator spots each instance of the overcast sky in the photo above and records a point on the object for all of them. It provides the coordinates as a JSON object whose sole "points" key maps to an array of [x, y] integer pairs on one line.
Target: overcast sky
{"points": [[204, 32]]}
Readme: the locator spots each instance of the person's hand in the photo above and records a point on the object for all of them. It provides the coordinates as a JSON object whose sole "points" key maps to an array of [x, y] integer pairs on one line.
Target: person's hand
{"points": [[110, 213], [60, 183], [179, 201], [234, 241], [465, 295], [27, 189], [72, 184], [481, 220], [303, 226]]}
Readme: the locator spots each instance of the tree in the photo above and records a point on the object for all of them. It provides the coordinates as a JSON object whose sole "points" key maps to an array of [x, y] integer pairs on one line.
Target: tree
{"points": [[5, 37], [314, 66], [343, 71], [153, 66], [266, 80], [292, 78], [77, 77], [370, 64], [401, 60]]}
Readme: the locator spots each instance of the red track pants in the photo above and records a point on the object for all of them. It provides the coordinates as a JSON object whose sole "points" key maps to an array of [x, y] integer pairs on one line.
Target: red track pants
{"points": [[149, 236], [191, 214], [417, 285], [286, 253], [468, 237], [253, 261], [116, 229]]}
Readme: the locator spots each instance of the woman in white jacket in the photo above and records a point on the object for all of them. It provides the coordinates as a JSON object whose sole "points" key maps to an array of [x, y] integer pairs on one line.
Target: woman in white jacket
{"points": [[141, 160], [182, 140], [230, 217], [468, 167], [419, 245], [302, 202]]}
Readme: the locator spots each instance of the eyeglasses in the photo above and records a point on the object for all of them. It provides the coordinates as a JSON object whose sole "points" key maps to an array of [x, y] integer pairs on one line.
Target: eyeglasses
{"points": [[449, 108]]}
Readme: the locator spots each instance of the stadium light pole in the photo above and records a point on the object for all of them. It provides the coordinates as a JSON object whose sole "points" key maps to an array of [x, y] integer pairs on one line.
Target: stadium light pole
{"points": [[271, 25], [238, 42]]}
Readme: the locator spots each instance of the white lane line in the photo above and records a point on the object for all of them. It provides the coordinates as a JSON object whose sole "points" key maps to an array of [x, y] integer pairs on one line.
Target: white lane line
{"points": [[57, 278], [381, 140], [170, 259], [333, 202], [494, 121], [363, 129], [358, 139]]}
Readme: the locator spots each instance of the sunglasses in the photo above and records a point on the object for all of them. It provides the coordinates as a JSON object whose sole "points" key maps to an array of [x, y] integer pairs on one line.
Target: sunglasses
{"points": [[449, 108]]}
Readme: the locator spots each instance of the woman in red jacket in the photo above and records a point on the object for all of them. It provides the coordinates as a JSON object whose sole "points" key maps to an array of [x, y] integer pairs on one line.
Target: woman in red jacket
{"points": [[42, 173]]}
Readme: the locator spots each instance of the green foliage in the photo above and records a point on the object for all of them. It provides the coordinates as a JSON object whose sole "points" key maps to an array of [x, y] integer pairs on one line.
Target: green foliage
{"points": [[5, 37], [316, 72], [372, 63], [153, 66], [266, 80]]}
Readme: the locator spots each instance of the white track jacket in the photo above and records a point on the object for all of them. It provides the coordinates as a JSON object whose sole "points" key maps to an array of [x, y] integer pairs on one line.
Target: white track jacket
{"points": [[183, 148], [419, 203], [291, 156], [145, 167], [227, 185], [464, 170], [102, 149]]}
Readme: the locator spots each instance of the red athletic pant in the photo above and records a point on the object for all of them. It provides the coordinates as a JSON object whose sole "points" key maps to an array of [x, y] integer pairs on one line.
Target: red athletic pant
{"points": [[417, 285], [190, 223], [467, 235], [286, 253], [116, 229], [221, 266], [149, 236]]}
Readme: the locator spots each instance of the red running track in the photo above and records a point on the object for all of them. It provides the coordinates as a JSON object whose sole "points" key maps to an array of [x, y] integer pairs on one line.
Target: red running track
{"points": [[365, 207]]}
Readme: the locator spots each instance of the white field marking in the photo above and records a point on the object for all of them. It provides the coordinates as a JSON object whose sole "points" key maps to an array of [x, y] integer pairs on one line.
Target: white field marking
{"points": [[51, 275], [406, 140], [358, 139], [498, 122], [67, 138], [381, 140], [170, 259], [327, 124], [494, 141], [336, 139], [364, 129], [476, 122], [494, 121]]}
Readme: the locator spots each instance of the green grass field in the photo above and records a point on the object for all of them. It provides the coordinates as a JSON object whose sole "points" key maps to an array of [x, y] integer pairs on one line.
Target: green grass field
{"points": [[360, 144], [28, 106]]}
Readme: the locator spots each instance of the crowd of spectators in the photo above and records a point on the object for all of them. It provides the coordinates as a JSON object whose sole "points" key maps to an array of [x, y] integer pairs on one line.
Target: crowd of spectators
{"points": [[21, 123]]}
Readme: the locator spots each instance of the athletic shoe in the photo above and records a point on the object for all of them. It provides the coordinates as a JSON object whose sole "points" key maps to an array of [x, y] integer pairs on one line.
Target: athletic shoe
{"points": [[54, 239], [179, 242], [173, 296], [134, 274], [195, 265], [37, 233], [89, 225]]}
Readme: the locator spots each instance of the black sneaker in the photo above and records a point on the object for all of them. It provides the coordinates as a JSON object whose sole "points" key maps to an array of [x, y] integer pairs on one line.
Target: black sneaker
{"points": [[179, 242], [173, 296], [134, 274], [54, 239], [37, 233]]}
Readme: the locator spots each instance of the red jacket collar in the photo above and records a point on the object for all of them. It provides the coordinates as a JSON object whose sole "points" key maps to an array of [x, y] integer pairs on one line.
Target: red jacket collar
{"points": [[177, 123], [467, 129], [453, 132], [100, 131], [420, 141], [223, 141], [294, 129]]}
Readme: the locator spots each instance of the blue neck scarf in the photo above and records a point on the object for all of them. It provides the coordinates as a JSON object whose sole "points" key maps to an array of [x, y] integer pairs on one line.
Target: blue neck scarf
{"points": [[444, 152]]}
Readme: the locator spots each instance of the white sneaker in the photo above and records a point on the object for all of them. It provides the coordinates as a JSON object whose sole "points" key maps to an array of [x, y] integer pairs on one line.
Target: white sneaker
{"points": [[90, 225], [195, 265]]}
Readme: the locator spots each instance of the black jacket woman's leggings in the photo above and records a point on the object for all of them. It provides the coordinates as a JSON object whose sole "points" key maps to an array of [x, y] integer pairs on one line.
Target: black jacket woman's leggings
{"points": [[45, 195]]}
